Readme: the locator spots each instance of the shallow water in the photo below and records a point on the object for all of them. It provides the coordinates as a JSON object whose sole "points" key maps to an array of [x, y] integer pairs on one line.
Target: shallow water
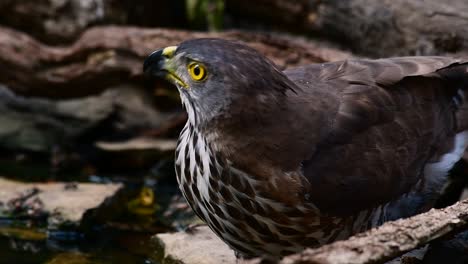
{"points": [[24, 241], [110, 248], [127, 240]]}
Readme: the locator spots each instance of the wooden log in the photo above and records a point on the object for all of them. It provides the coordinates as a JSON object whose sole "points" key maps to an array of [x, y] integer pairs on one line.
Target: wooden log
{"points": [[389, 240], [106, 56], [396, 27], [371, 28]]}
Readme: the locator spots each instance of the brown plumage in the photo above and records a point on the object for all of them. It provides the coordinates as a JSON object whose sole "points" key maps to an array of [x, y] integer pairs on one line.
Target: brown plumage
{"points": [[275, 162]]}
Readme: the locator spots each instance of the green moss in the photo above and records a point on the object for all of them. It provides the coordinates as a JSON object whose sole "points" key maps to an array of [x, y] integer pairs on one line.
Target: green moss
{"points": [[205, 14]]}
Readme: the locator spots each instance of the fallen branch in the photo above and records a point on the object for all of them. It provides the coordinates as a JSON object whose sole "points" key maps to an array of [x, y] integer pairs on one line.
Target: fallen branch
{"points": [[106, 56], [388, 241]]}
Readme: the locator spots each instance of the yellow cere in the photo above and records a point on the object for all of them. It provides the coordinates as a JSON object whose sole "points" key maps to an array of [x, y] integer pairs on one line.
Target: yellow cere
{"points": [[169, 51], [197, 71]]}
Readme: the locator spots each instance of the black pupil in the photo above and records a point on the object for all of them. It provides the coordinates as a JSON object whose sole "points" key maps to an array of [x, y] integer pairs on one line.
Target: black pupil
{"points": [[196, 70]]}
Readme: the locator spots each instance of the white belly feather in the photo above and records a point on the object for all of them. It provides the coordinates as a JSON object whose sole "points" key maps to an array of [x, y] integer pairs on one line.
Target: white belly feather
{"points": [[436, 171]]}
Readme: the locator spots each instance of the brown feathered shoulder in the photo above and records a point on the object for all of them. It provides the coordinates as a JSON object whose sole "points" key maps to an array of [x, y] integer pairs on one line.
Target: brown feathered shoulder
{"points": [[385, 121]]}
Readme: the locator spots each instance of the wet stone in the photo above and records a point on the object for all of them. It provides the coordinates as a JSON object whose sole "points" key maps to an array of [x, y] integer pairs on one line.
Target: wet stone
{"points": [[58, 203], [199, 246]]}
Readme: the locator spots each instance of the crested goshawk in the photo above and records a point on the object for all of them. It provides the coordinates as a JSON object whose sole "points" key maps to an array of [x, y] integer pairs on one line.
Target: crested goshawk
{"points": [[275, 161]]}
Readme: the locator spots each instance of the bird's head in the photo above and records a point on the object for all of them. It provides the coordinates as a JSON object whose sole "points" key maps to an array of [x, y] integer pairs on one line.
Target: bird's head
{"points": [[218, 78]]}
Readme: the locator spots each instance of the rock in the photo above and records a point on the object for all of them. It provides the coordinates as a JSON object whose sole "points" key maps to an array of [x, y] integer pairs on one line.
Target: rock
{"points": [[61, 203], [198, 246], [37, 124], [53, 20], [59, 21]]}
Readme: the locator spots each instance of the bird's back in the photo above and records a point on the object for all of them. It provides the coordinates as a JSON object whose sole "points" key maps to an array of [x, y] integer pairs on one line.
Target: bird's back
{"points": [[391, 125]]}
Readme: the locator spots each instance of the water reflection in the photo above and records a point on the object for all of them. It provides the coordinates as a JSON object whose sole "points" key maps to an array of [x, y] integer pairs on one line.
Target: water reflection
{"points": [[23, 245]]}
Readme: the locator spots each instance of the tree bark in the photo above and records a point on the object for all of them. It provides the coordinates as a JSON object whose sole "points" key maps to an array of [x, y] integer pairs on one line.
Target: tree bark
{"points": [[388, 241], [372, 28], [396, 27], [106, 56]]}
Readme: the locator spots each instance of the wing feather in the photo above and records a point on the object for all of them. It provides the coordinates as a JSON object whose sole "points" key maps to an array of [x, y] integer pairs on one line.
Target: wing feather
{"points": [[393, 115]]}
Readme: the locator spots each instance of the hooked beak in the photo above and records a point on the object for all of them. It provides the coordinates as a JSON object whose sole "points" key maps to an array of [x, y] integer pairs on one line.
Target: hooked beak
{"points": [[158, 64], [153, 64]]}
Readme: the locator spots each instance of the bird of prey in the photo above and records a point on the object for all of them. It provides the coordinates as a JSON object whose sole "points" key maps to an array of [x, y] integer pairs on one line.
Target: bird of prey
{"points": [[276, 161]]}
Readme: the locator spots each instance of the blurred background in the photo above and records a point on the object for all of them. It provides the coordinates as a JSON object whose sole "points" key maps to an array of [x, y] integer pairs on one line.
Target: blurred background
{"points": [[87, 145]]}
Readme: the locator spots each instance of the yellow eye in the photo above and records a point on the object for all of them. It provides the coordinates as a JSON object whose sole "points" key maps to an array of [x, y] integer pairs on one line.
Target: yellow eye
{"points": [[197, 71]]}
